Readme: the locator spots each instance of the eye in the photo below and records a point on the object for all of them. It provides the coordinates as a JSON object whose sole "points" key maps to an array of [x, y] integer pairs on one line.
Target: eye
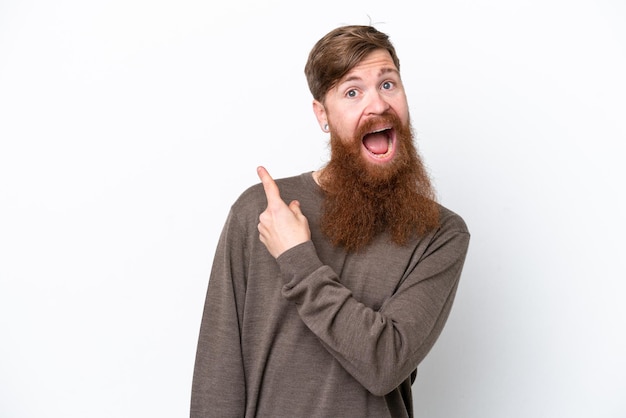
{"points": [[351, 93], [387, 85]]}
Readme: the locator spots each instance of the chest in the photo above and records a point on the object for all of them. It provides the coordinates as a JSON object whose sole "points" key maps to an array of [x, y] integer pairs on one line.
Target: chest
{"points": [[375, 274]]}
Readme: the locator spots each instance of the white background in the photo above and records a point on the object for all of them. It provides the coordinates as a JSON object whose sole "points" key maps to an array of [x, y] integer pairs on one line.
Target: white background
{"points": [[128, 127]]}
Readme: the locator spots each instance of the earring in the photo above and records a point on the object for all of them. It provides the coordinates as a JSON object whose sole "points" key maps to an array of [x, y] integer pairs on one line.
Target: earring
{"points": [[325, 128]]}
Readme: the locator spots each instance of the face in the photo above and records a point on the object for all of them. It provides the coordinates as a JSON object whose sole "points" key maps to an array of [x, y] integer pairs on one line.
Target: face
{"points": [[374, 158], [358, 107]]}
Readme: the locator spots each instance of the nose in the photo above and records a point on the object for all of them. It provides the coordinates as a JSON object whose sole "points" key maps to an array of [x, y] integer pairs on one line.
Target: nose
{"points": [[377, 104]]}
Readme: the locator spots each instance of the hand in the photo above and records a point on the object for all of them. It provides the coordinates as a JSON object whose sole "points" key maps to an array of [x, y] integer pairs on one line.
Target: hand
{"points": [[281, 227]]}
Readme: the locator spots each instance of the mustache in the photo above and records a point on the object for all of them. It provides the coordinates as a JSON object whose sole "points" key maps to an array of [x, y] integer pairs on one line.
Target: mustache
{"points": [[387, 118]]}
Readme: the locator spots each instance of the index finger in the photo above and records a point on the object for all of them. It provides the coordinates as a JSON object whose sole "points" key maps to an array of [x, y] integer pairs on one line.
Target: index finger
{"points": [[269, 185]]}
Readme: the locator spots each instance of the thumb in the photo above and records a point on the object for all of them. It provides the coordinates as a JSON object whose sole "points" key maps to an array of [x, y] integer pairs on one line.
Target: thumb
{"points": [[295, 208]]}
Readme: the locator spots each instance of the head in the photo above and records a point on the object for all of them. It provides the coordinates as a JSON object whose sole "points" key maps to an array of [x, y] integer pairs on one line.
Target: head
{"points": [[339, 51], [375, 181]]}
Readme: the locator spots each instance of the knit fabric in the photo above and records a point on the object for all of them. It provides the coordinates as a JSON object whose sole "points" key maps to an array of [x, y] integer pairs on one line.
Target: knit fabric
{"points": [[320, 332]]}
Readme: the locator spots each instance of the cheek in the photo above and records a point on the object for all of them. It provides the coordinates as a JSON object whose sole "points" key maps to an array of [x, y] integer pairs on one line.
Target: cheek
{"points": [[346, 125], [401, 108]]}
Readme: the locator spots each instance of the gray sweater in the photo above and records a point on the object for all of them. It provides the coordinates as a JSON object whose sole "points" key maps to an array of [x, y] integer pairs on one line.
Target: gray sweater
{"points": [[319, 332]]}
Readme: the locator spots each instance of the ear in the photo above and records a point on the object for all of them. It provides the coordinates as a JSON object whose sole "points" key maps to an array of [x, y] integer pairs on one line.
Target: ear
{"points": [[320, 114]]}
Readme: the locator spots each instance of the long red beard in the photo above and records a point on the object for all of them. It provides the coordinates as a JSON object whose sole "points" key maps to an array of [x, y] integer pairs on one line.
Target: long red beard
{"points": [[363, 199]]}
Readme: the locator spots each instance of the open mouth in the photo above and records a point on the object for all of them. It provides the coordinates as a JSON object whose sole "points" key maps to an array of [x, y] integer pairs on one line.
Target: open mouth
{"points": [[380, 143]]}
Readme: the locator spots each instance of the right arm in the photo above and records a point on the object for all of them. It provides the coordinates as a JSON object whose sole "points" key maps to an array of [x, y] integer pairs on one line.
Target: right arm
{"points": [[218, 388]]}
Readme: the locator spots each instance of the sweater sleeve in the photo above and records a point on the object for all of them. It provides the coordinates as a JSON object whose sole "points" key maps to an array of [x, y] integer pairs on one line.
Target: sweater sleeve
{"points": [[379, 348], [218, 387]]}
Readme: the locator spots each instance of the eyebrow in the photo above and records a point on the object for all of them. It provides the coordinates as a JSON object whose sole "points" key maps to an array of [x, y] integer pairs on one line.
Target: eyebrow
{"points": [[382, 71]]}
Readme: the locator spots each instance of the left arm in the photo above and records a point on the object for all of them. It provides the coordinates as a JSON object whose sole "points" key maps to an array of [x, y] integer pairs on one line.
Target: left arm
{"points": [[378, 348]]}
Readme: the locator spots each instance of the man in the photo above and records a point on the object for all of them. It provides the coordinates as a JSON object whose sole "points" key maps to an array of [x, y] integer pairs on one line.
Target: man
{"points": [[329, 288]]}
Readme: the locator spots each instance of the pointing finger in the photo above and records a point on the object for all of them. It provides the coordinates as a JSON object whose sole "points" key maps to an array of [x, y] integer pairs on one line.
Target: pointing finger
{"points": [[269, 185]]}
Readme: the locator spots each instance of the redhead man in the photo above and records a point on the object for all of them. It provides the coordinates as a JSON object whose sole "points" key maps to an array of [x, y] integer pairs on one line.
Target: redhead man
{"points": [[329, 288]]}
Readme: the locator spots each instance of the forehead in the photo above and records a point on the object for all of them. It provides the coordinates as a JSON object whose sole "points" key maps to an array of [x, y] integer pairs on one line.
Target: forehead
{"points": [[375, 63]]}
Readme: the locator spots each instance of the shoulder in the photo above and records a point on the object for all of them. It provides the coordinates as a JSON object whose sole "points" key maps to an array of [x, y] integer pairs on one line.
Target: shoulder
{"points": [[450, 240], [452, 233], [452, 221]]}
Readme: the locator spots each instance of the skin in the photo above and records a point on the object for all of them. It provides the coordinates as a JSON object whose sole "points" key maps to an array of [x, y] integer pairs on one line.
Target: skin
{"points": [[281, 226], [370, 89]]}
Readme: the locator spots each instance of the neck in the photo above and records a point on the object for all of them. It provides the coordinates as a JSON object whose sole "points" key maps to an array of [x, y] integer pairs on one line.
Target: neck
{"points": [[317, 176]]}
